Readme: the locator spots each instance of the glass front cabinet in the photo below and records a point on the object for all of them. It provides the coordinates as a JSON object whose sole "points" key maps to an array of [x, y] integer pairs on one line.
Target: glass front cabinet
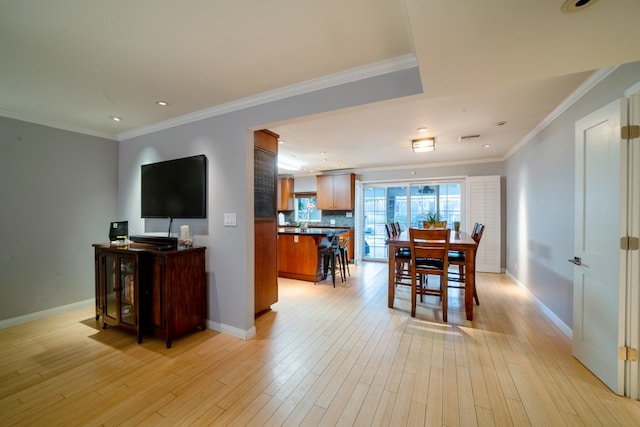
{"points": [[120, 296]]}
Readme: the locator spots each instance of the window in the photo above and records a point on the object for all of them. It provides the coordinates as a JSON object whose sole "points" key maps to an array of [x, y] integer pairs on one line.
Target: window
{"points": [[409, 205], [443, 199], [306, 210]]}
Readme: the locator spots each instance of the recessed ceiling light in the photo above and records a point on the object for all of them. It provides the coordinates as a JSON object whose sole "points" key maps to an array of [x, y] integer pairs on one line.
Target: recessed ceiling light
{"points": [[323, 152], [486, 146], [570, 6], [422, 129], [280, 141], [501, 123], [162, 103], [116, 118]]}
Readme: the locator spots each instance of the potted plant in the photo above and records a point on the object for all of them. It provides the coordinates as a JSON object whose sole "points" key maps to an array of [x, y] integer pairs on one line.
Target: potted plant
{"points": [[432, 218]]}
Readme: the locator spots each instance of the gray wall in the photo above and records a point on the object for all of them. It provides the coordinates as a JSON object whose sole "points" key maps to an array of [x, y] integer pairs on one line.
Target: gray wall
{"points": [[59, 193], [227, 141], [540, 195]]}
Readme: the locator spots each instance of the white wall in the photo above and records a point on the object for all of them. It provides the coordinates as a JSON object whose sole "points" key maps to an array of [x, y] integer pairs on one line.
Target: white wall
{"points": [[58, 193], [540, 200]]}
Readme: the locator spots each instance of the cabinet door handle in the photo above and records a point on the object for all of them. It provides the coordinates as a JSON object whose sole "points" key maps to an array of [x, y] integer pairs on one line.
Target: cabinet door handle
{"points": [[576, 260]]}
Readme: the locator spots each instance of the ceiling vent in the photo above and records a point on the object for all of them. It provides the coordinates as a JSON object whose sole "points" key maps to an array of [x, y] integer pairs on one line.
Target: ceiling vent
{"points": [[468, 138]]}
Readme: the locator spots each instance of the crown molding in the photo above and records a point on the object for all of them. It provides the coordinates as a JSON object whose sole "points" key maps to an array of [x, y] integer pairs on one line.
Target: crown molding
{"points": [[56, 125], [582, 90], [359, 73]]}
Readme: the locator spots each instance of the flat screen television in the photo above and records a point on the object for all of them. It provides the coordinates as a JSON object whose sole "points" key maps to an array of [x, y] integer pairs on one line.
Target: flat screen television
{"points": [[175, 188]]}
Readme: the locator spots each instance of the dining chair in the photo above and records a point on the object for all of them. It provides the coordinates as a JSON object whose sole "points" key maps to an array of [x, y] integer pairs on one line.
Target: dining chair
{"points": [[394, 230], [437, 224], [403, 257], [429, 256], [457, 258]]}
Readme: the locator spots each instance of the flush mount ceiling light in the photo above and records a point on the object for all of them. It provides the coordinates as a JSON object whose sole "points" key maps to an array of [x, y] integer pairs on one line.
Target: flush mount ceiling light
{"points": [[161, 103], [423, 145], [116, 118], [422, 129], [570, 6]]}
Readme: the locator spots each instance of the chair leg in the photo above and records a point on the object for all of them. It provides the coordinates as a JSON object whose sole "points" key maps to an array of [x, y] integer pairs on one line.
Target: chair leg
{"points": [[345, 259], [343, 274], [475, 296], [333, 269], [325, 266], [445, 297], [414, 294]]}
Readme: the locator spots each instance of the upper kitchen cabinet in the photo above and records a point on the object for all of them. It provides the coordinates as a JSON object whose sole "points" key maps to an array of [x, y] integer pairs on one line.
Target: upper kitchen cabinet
{"points": [[285, 194], [336, 192]]}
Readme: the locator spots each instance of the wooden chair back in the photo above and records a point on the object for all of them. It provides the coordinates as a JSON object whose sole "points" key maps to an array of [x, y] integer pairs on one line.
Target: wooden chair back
{"points": [[437, 224], [386, 227], [429, 256], [477, 233]]}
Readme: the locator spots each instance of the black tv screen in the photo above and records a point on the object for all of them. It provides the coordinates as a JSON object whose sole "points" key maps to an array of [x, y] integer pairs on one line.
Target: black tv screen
{"points": [[175, 188]]}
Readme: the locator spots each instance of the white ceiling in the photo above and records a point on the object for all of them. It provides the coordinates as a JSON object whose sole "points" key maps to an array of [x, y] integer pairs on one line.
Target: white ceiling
{"points": [[74, 64]]}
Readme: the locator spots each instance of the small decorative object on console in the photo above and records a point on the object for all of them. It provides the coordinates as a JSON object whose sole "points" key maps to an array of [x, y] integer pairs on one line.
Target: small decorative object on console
{"points": [[185, 237]]}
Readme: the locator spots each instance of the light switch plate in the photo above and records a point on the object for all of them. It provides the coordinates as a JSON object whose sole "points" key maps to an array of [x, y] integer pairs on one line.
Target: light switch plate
{"points": [[230, 220]]}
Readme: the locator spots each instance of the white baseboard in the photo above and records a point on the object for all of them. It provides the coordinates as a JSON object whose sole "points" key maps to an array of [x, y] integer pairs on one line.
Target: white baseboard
{"points": [[230, 330], [547, 312], [45, 313], [14, 321]]}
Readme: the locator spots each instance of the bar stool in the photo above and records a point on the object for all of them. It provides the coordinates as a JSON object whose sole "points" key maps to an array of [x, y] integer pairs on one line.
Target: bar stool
{"points": [[330, 256]]}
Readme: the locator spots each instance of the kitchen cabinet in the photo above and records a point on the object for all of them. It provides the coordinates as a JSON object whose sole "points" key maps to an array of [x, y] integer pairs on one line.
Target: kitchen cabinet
{"points": [[336, 192], [285, 194]]}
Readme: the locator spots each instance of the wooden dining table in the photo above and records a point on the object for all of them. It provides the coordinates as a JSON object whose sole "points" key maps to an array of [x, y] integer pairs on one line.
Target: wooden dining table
{"points": [[459, 241]]}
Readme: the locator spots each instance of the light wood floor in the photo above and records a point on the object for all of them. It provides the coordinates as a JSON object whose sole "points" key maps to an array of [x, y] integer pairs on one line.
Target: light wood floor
{"points": [[323, 356]]}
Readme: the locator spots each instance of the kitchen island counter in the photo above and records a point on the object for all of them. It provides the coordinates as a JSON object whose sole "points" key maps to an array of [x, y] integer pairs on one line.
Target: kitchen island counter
{"points": [[312, 231], [298, 251]]}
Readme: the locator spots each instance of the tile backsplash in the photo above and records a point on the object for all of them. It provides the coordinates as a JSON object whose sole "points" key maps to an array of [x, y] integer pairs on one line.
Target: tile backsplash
{"points": [[340, 218]]}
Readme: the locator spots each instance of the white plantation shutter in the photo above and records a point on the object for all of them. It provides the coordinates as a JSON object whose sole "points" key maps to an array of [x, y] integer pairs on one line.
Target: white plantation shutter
{"points": [[483, 206]]}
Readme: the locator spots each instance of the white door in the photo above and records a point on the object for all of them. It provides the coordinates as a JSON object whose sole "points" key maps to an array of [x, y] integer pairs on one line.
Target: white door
{"points": [[633, 256], [599, 286]]}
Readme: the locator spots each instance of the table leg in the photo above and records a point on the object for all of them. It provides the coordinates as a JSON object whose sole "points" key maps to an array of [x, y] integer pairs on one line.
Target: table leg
{"points": [[469, 281], [392, 278]]}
